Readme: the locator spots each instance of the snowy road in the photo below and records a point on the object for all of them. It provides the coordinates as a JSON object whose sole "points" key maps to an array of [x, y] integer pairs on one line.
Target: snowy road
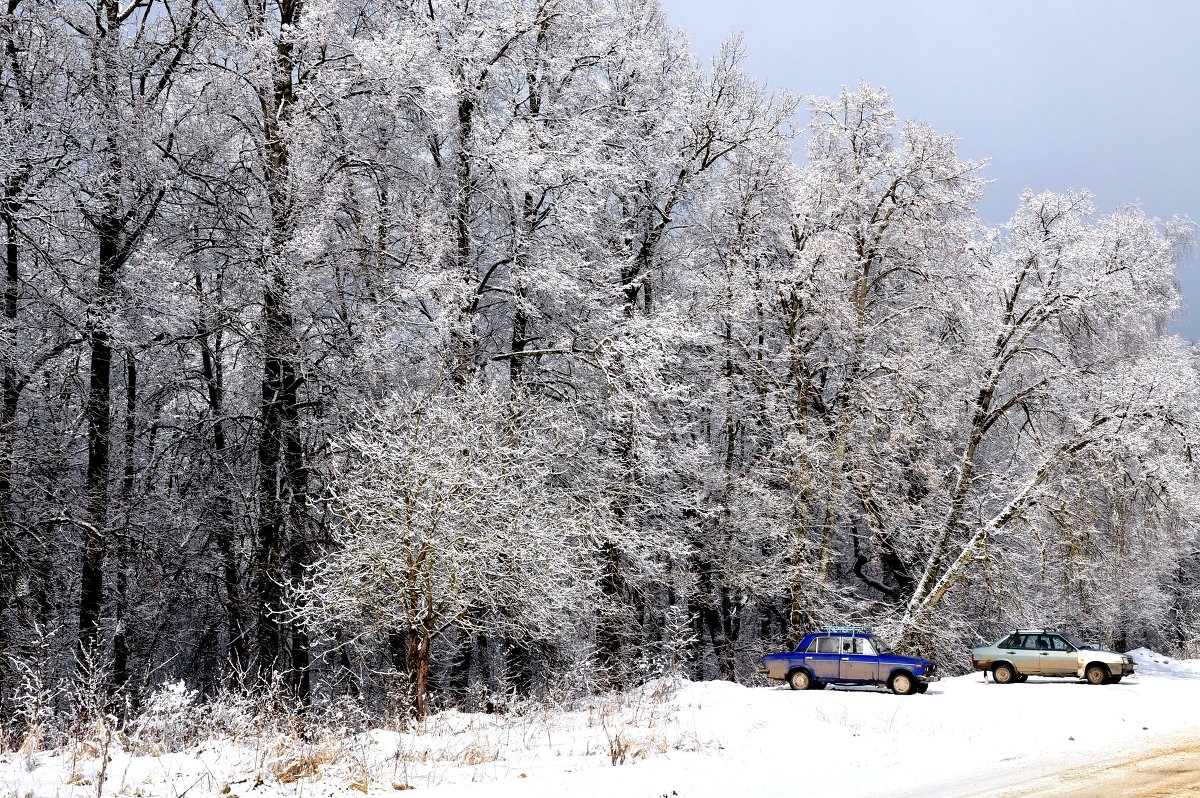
{"points": [[1168, 766], [1167, 770]]}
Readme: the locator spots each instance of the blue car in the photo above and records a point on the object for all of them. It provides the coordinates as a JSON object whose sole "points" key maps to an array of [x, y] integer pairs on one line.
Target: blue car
{"points": [[847, 655]]}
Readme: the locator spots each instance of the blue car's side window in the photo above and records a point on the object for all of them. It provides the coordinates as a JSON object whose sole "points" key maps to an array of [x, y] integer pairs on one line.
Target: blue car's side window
{"points": [[828, 645], [858, 645]]}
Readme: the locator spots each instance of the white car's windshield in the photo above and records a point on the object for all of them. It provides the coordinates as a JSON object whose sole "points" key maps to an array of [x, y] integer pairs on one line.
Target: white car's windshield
{"points": [[1075, 641]]}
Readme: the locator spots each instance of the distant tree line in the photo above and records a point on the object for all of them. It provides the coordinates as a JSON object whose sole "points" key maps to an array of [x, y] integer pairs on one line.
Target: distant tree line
{"points": [[434, 352]]}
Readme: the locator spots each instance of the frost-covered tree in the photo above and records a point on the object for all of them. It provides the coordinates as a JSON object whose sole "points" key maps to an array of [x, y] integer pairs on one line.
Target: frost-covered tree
{"points": [[853, 332], [34, 331], [1069, 374], [449, 521]]}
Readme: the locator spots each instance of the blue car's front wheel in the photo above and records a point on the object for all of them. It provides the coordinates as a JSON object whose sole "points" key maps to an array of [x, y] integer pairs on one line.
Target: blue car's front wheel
{"points": [[903, 684]]}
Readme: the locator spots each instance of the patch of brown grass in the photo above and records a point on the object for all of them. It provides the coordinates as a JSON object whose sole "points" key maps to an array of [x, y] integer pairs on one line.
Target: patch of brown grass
{"points": [[476, 755], [290, 765]]}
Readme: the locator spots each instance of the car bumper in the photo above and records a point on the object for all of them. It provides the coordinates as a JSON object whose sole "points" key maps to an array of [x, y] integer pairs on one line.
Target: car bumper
{"points": [[1126, 667], [778, 673]]}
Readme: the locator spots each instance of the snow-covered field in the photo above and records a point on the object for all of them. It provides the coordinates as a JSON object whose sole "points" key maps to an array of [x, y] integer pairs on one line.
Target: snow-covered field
{"points": [[690, 739]]}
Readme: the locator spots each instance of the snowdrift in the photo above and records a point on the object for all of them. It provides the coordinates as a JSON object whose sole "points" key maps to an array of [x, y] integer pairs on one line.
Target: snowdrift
{"points": [[670, 738]]}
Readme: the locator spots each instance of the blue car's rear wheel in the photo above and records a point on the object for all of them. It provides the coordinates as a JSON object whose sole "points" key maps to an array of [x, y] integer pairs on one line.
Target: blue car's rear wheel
{"points": [[800, 680]]}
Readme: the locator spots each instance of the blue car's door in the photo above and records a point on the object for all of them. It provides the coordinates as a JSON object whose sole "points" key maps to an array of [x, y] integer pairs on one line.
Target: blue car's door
{"points": [[823, 658], [858, 662]]}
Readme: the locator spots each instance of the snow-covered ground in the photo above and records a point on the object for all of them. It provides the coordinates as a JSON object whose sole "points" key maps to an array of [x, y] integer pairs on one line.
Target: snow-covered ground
{"points": [[691, 739]]}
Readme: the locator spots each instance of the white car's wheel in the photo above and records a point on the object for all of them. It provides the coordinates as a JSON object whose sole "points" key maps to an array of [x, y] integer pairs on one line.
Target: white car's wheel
{"points": [[1004, 673]]}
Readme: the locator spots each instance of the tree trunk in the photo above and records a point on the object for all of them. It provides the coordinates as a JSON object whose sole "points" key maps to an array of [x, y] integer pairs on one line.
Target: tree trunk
{"points": [[418, 665], [121, 597], [730, 624], [281, 477], [299, 557], [10, 559], [98, 413], [463, 333], [981, 420], [277, 409], [409, 651], [226, 520], [799, 589], [516, 362]]}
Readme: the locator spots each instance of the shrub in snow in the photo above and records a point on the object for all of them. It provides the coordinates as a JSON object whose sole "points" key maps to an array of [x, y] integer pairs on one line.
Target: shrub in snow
{"points": [[169, 721], [33, 716]]}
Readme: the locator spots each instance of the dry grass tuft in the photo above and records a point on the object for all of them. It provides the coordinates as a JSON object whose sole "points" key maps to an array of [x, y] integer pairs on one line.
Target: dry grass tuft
{"points": [[290, 765], [618, 749], [360, 779], [476, 755]]}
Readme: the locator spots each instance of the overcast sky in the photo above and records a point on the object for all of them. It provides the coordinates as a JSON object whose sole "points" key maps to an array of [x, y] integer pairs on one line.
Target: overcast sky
{"points": [[1060, 94]]}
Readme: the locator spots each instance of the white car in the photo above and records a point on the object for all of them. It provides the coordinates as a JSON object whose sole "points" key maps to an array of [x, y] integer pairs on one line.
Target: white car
{"points": [[1048, 652]]}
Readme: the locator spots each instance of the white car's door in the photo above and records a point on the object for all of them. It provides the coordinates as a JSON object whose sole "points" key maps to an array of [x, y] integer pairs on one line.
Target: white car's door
{"points": [[1024, 653], [1063, 659]]}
